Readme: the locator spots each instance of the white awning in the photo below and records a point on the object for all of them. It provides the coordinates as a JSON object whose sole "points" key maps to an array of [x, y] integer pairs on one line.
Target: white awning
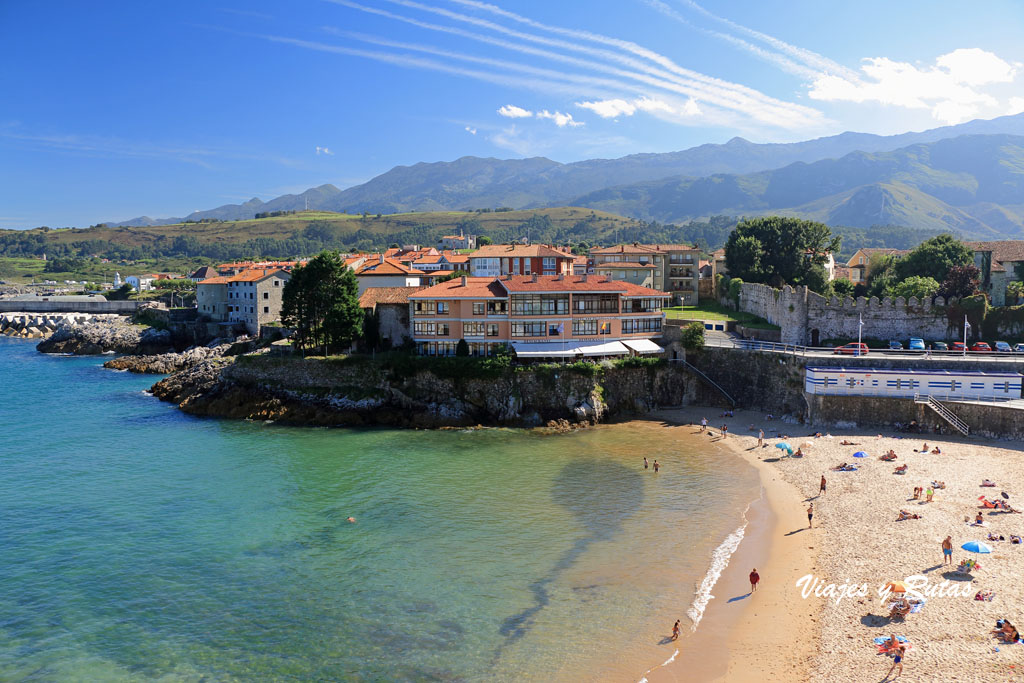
{"points": [[602, 349], [643, 345], [545, 349]]}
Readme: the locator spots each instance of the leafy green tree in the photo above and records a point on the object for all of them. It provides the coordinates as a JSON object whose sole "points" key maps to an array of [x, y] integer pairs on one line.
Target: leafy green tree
{"points": [[452, 275], [934, 258], [881, 275], [462, 349], [921, 287], [961, 281], [842, 287], [321, 302], [1015, 291], [692, 337], [779, 250], [483, 241]]}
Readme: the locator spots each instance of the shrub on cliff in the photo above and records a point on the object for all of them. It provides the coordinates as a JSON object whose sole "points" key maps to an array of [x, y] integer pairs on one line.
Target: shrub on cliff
{"points": [[693, 336]]}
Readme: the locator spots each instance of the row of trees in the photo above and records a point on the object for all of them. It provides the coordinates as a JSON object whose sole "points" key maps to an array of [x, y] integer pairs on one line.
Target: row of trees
{"points": [[940, 266]]}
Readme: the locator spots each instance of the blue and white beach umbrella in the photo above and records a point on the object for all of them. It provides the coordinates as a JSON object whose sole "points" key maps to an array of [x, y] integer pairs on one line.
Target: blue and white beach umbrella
{"points": [[860, 454], [976, 547], [784, 446]]}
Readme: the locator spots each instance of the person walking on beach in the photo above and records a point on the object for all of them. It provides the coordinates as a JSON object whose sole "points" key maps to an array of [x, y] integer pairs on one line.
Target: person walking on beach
{"points": [[675, 630], [656, 467], [821, 491], [645, 462], [947, 550], [725, 431], [897, 662], [754, 578], [760, 438], [810, 516], [703, 424]]}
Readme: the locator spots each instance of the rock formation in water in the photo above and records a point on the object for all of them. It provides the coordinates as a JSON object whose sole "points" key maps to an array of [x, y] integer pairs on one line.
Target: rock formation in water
{"points": [[112, 334], [166, 363]]}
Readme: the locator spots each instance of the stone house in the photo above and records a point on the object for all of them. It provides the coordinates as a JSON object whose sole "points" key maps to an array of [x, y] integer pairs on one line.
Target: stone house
{"points": [[387, 272], [861, 259], [391, 304], [251, 298], [1000, 262]]}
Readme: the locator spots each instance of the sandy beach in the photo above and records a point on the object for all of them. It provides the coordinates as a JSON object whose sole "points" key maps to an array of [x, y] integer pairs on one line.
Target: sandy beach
{"points": [[777, 634]]}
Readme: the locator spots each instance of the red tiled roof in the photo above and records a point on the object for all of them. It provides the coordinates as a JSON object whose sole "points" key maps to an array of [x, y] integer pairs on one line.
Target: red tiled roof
{"points": [[475, 288], [622, 264], [386, 267], [518, 251], [643, 248], [385, 295], [255, 275], [1003, 251], [573, 283], [219, 280]]}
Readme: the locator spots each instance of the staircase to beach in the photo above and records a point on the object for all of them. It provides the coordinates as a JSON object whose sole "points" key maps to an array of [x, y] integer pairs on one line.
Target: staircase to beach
{"points": [[944, 412]]}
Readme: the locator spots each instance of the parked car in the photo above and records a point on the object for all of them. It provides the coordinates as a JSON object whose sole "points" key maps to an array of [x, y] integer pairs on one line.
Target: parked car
{"points": [[1019, 348], [916, 344], [940, 346], [895, 345], [1003, 347], [852, 349], [959, 346], [982, 347]]}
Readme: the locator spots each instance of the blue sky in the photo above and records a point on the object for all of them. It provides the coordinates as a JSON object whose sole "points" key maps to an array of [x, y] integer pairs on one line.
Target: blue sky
{"points": [[111, 110]]}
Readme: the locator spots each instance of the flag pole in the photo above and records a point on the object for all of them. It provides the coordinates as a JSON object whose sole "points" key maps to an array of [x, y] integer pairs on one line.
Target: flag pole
{"points": [[860, 330], [965, 334]]}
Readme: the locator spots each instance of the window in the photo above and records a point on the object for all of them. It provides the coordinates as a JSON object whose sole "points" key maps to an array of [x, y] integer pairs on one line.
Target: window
{"points": [[515, 266], [472, 329], [596, 303], [556, 329], [549, 265], [631, 325], [585, 326], [529, 329], [277, 283], [266, 309], [492, 329], [497, 307], [266, 295], [442, 307], [442, 329], [424, 329], [425, 307], [479, 308], [645, 305], [606, 327]]}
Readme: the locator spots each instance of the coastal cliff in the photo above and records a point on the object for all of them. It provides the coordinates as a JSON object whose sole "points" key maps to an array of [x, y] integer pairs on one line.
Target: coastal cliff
{"points": [[116, 334], [422, 393]]}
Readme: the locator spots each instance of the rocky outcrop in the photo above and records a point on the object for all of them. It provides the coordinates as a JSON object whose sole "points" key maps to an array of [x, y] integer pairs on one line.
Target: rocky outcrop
{"points": [[112, 334], [166, 363], [324, 392]]}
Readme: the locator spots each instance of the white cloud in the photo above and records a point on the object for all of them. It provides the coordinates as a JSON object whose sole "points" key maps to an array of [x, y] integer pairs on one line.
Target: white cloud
{"points": [[1016, 106], [950, 88], [470, 130], [561, 120], [609, 109], [324, 150], [511, 111]]}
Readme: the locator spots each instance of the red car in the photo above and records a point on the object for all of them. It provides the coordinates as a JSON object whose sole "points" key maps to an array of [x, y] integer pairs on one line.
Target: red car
{"points": [[981, 346], [958, 346], [852, 349]]}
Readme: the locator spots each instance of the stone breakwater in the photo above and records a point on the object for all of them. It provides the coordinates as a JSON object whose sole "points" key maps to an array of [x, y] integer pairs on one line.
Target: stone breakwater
{"points": [[41, 325], [326, 393], [166, 363], [109, 334]]}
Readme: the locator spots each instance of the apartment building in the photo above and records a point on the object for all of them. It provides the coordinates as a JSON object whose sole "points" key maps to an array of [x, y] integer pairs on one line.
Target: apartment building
{"points": [[495, 260], [671, 268], [251, 298], [539, 316], [387, 272]]}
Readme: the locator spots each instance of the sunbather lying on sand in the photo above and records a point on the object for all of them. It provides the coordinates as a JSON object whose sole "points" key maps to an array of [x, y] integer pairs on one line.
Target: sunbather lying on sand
{"points": [[900, 609], [888, 457], [992, 537], [906, 515], [902, 469], [987, 482], [985, 595], [844, 468], [936, 451], [1015, 539], [939, 484], [1006, 632], [846, 442]]}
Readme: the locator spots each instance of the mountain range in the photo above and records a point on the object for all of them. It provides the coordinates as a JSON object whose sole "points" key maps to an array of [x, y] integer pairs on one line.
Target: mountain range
{"points": [[967, 178]]}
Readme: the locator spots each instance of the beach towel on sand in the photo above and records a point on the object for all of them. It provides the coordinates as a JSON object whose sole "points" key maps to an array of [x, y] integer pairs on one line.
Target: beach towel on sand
{"points": [[881, 640]]}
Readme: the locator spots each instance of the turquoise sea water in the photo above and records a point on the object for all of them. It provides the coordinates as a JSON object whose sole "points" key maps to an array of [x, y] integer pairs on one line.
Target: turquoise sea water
{"points": [[139, 543]]}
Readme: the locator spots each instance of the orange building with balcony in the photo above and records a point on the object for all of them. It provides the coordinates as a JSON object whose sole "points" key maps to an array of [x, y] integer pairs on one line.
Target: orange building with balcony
{"points": [[550, 316]]}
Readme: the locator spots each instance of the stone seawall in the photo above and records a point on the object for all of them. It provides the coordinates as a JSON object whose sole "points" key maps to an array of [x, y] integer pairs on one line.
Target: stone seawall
{"points": [[317, 392], [89, 307], [38, 326], [991, 420]]}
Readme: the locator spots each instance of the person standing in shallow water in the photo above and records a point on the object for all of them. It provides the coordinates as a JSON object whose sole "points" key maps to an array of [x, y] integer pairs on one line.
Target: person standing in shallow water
{"points": [[675, 630], [656, 467], [645, 462]]}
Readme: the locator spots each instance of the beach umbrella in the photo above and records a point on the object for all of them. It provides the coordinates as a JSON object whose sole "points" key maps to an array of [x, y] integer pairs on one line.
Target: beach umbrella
{"points": [[976, 547], [784, 446], [896, 587], [860, 454]]}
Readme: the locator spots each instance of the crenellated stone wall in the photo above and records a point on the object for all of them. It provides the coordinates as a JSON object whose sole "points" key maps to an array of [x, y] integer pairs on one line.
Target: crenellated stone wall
{"points": [[809, 318]]}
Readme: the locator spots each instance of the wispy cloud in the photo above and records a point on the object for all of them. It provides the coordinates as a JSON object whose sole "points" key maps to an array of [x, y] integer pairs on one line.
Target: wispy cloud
{"points": [[511, 111], [470, 130], [323, 150], [951, 88]]}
